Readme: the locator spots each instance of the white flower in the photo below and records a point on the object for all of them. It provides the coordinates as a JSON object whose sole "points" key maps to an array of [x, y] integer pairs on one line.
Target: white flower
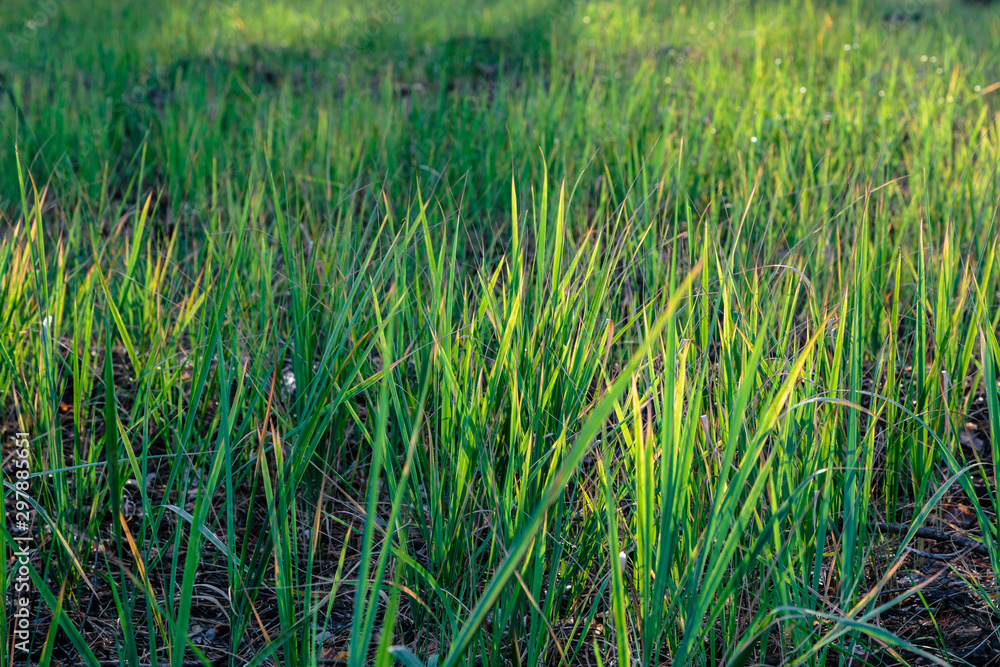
{"points": [[288, 379]]}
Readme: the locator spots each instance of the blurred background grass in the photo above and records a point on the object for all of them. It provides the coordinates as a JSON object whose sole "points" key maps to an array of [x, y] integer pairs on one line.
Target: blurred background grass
{"points": [[337, 95]]}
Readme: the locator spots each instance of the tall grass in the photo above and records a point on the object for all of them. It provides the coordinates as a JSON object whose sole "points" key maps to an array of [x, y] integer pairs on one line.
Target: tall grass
{"points": [[360, 374]]}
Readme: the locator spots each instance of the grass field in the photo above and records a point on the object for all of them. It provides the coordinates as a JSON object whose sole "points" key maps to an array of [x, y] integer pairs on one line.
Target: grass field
{"points": [[486, 333]]}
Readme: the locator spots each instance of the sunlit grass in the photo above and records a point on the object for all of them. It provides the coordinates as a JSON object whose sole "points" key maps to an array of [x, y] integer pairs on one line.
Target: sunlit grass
{"points": [[557, 333]]}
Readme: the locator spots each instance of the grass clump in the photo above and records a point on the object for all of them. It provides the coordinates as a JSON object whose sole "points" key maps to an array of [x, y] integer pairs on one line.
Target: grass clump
{"points": [[549, 333]]}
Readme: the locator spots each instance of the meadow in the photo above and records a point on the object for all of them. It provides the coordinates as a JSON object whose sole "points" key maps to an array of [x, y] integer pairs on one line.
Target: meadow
{"points": [[469, 332]]}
